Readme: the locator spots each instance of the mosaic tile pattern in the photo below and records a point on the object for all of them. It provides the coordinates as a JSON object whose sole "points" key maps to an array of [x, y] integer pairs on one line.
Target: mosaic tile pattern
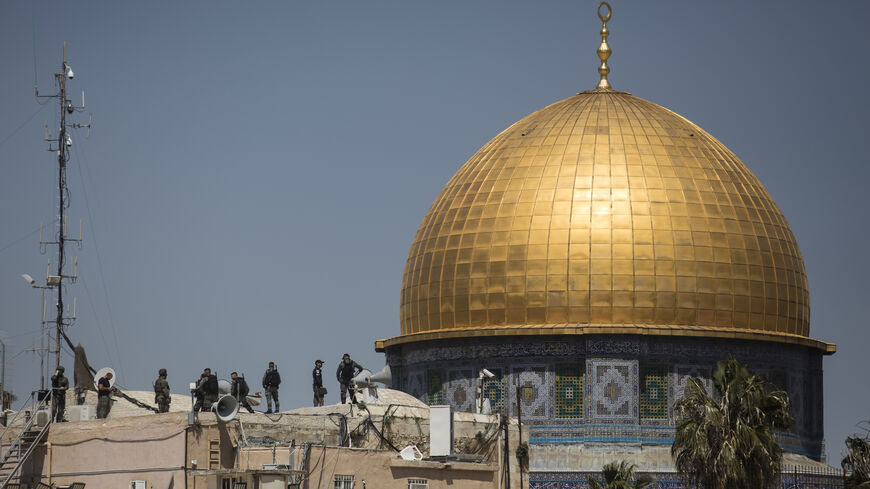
{"points": [[824, 479], [612, 389], [795, 391], [778, 378], [573, 419], [670, 350], [493, 389], [460, 389], [569, 391], [683, 373], [534, 384], [435, 387], [818, 404], [416, 384], [604, 209], [654, 392]]}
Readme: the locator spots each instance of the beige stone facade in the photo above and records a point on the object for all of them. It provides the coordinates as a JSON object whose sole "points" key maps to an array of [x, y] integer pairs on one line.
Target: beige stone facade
{"points": [[307, 448]]}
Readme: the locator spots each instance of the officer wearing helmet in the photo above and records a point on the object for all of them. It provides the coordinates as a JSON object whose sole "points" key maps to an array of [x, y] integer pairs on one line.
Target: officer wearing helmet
{"points": [[161, 392], [59, 386]]}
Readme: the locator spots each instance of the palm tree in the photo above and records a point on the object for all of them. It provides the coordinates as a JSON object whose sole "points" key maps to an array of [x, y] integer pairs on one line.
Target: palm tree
{"points": [[727, 441], [856, 463], [619, 476]]}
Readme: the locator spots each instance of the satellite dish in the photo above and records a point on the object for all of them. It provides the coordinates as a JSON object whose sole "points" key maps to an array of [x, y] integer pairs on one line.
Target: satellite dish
{"points": [[102, 373]]}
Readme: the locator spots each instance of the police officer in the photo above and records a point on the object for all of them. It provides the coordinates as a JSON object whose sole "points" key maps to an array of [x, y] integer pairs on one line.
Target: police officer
{"points": [[210, 389], [271, 381], [240, 390], [104, 390], [198, 392], [161, 392], [347, 370], [59, 386], [317, 378]]}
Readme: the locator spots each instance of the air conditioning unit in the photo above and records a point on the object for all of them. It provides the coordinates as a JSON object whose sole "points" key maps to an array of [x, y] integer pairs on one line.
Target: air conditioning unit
{"points": [[85, 412], [43, 417], [137, 485]]}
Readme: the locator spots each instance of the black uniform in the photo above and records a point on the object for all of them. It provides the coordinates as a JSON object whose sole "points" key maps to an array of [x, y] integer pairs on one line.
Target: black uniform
{"points": [[317, 385], [210, 391], [59, 386], [104, 402], [240, 390], [347, 370]]}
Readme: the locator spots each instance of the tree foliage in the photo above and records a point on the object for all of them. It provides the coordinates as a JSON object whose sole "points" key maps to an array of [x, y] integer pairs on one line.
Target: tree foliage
{"points": [[727, 440], [620, 475], [856, 463]]}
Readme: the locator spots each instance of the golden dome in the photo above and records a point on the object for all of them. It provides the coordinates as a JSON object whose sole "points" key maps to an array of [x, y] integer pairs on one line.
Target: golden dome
{"points": [[604, 213]]}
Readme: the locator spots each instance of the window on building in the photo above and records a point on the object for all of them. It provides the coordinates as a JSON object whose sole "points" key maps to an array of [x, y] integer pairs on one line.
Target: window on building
{"points": [[418, 484], [344, 482]]}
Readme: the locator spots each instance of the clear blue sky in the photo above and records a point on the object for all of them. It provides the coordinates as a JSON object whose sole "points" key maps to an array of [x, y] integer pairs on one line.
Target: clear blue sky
{"points": [[256, 171]]}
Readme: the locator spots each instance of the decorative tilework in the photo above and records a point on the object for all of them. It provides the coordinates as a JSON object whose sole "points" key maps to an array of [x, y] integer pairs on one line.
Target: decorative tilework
{"points": [[416, 383], [654, 392], [795, 389], [460, 389], [534, 391], [612, 344], [569, 391], [778, 378], [435, 391], [580, 419], [684, 372], [612, 389], [487, 350], [493, 389], [818, 403]]}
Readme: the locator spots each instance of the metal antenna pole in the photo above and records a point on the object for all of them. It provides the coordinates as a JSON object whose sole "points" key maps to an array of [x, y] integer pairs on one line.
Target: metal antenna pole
{"points": [[61, 184], [3, 379], [42, 349]]}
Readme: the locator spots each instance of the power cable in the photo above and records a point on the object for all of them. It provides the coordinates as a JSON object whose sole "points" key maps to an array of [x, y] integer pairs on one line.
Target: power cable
{"points": [[31, 233], [97, 320], [7, 138], [99, 261]]}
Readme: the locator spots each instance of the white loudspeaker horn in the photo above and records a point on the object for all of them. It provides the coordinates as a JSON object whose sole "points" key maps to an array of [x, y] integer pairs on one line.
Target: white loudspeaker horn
{"points": [[226, 408], [385, 376], [362, 378], [224, 386]]}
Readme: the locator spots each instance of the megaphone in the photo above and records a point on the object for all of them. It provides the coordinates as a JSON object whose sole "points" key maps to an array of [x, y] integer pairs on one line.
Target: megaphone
{"points": [[366, 377], [362, 378], [224, 387], [226, 408], [385, 376]]}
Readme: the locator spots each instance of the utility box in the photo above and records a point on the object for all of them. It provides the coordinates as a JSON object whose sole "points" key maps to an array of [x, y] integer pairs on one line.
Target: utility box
{"points": [[440, 431], [84, 412], [43, 417]]}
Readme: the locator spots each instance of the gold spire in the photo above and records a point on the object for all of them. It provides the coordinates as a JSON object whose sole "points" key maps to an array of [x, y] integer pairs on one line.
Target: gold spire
{"points": [[604, 48]]}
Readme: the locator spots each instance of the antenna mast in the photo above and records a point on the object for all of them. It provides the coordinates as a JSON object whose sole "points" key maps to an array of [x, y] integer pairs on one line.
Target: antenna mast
{"points": [[61, 146]]}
